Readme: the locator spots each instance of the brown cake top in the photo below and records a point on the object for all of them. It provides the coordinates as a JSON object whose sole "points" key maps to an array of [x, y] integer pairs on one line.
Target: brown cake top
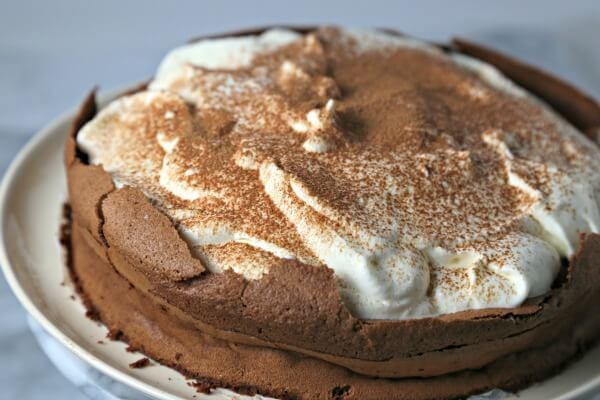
{"points": [[428, 182]]}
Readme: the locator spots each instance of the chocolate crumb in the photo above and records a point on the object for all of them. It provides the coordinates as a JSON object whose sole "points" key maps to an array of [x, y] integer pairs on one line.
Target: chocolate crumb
{"points": [[141, 363], [114, 334], [92, 314]]}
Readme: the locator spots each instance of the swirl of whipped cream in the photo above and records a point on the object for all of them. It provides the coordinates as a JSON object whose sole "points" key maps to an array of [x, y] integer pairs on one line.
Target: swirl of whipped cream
{"points": [[427, 182]]}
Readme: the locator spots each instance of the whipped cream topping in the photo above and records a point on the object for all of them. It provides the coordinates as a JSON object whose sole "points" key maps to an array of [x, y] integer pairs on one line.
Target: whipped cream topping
{"points": [[429, 183]]}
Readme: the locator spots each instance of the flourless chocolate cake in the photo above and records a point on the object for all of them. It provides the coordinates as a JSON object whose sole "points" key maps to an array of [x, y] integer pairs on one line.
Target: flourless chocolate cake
{"points": [[333, 213]]}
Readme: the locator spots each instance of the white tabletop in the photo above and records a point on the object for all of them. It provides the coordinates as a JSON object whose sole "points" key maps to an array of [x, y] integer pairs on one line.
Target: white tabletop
{"points": [[52, 52]]}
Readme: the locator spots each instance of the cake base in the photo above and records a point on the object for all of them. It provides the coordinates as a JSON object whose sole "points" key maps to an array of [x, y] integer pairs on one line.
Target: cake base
{"points": [[153, 329]]}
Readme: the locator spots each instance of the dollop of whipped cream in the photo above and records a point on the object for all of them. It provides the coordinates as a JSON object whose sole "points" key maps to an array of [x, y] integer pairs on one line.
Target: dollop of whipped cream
{"points": [[428, 182]]}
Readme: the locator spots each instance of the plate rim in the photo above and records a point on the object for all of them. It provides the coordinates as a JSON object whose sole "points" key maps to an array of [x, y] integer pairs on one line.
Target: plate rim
{"points": [[8, 181]]}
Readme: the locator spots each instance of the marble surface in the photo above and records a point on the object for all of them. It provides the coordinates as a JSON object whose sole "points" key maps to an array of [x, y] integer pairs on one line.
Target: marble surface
{"points": [[51, 53]]}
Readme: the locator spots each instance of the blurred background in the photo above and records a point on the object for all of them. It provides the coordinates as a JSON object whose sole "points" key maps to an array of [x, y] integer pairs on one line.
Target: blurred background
{"points": [[53, 52]]}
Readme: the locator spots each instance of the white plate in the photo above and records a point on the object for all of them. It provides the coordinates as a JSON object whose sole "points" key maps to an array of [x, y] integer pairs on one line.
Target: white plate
{"points": [[31, 197]]}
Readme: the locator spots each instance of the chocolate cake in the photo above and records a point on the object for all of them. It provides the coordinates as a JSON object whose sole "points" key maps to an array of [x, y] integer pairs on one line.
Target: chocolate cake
{"points": [[329, 213]]}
